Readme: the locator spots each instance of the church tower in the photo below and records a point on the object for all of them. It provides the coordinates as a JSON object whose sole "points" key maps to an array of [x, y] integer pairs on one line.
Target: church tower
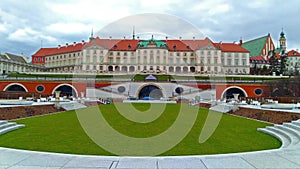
{"points": [[92, 36], [282, 41]]}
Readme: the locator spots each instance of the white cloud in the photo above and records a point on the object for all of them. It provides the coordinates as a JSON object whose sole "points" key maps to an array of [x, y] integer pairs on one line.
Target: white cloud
{"points": [[219, 9], [29, 35], [259, 4], [69, 28], [3, 28], [90, 11]]}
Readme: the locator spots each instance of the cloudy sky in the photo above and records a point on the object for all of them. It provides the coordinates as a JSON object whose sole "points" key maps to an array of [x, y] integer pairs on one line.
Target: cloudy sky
{"points": [[25, 26]]}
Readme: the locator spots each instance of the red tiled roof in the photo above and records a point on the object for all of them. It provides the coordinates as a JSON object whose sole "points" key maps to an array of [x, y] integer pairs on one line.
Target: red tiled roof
{"points": [[177, 45], [106, 43], [125, 45], [196, 43], [231, 47], [258, 59], [59, 50], [293, 53]]}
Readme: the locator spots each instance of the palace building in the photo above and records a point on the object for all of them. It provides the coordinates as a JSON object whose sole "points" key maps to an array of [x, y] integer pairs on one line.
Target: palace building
{"points": [[16, 63], [168, 56]]}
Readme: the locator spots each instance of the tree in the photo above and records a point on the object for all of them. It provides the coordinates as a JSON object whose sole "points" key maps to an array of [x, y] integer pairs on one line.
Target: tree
{"points": [[283, 63], [274, 63]]}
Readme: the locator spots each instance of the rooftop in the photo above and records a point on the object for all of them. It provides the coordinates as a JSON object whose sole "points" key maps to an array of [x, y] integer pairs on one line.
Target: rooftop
{"points": [[255, 46]]}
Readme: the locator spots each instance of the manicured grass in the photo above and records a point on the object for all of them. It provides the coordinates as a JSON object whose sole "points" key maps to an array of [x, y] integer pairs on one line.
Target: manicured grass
{"points": [[63, 133]]}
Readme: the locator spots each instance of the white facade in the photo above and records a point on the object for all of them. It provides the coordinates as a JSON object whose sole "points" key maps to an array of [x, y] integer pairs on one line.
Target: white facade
{"points": [[151, 58]]}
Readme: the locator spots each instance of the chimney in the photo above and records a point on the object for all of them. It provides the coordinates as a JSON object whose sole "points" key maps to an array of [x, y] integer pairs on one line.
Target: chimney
{"points": [[241, 41], [166, 38], [110, 37], [193, 37], [67, 44], [74, 43], [58, 46], [82, 41]]}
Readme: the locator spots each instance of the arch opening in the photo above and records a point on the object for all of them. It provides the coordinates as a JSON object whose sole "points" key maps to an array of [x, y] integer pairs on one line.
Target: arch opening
{"points": [[150, 92], [228, 94], [15, 88], [66, 90]]}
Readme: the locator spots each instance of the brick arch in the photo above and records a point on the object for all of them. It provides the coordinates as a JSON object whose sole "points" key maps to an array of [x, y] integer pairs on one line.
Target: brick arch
{"points": [[232, 87], [65, 84], [11, 84]]}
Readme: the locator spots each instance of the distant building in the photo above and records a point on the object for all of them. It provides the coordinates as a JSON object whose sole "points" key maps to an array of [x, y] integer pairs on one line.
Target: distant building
{"points": [[144, 56], [15, 63], [261, 46], [234, 59], [293, 62], [261, 49]]}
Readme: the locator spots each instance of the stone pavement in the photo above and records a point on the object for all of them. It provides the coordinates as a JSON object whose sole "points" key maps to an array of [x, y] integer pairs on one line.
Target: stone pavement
{"points": [[20, 159]]}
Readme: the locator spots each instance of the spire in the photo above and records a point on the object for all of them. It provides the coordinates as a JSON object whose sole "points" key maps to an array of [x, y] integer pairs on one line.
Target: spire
{"points": [[282, 41], [92, 35], [133, 34]]}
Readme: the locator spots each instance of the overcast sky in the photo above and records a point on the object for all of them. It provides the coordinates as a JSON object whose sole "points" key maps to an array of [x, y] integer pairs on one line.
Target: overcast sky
{"points": [[25, 26]]}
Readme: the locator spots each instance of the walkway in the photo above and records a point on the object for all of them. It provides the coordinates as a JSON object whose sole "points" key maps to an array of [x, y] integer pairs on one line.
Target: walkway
{"points": [[286, 157]]}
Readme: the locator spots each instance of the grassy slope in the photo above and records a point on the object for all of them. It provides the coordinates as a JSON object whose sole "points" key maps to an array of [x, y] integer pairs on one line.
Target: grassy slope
{"points": [[62, 133]]}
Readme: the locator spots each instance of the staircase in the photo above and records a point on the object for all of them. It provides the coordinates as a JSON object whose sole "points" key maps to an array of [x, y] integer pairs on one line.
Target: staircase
{"points": [[9, 126], [221, 108], [287, 133], [72, 106]]}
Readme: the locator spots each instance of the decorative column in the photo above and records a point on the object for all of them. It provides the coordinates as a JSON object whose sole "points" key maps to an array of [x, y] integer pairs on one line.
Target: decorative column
{"points": [[56, 104]]}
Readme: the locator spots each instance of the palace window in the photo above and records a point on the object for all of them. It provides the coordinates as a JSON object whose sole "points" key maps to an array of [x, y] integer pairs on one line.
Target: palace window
{"points": [[118, 61], [158, 59], [192, 61], [216, 60], [229, 62], [236, 62], [208, 53], [111, 60]]}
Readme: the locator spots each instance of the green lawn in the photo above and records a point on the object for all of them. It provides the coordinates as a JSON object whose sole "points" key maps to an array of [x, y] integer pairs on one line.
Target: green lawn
{"points": [[63, 133]]}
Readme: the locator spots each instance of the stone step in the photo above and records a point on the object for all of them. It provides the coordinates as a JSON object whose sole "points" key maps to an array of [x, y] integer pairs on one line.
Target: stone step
{"points": [[11, 128], [221, 108], [291, 125], [294, 134], [285, 141], [3, 126], [3, 122], [296, 123], [283, 133]]}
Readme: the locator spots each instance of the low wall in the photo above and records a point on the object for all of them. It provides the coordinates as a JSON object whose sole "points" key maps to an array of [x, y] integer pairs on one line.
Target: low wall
{"points": [[277, 117], [9, 113]]}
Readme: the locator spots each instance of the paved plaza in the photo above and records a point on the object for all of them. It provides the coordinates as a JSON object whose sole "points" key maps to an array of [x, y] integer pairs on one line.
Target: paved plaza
{"points": [[20, 159]]}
